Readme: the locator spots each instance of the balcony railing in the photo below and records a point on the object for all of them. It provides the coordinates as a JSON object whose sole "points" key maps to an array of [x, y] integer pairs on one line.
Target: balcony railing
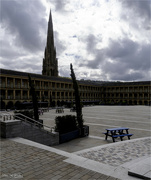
{"points": [[17, 86], [10, 85], [25, 86], [3, 85]]}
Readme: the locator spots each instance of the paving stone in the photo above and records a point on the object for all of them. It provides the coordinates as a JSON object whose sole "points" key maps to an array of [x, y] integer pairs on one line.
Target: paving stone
{"points": [[85, 177]]}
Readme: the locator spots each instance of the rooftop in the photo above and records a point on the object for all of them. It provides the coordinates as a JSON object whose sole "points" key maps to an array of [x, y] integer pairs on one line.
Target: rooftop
{"points": [[69, 80]]}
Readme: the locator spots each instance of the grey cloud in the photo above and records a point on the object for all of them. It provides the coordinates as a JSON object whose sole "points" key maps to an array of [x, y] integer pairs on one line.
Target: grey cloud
{"points": [[98, 60], [91, 43], [127, 77], [123, 59], [24, 20], [119, 71], [24, 65], [130, 61], [133, 55], [59, 5], [64, 71], [59, 44], [121, 48], [137, 13], [9, 52], [140, 7]]}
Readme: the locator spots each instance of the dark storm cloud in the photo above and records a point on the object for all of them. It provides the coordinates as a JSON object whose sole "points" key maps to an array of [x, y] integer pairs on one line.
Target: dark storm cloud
{"points": [[99, 58], [129, 60], [24, 20], [5, 46], [91, 43], [121, 48], [127, 76], [137, 9], [23, 65], [130, 53], [123, 59], [140, 7]]}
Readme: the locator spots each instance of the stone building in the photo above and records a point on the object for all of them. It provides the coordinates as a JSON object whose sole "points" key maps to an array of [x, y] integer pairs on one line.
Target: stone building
{"points": [[59, 91]]}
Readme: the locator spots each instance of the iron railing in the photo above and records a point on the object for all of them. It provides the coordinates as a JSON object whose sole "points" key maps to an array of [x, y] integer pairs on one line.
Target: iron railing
{"points": [[8, 116]]}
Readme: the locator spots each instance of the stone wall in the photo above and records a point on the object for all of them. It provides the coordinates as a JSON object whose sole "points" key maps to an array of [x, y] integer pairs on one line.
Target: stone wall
{"points": [[17, 128]]}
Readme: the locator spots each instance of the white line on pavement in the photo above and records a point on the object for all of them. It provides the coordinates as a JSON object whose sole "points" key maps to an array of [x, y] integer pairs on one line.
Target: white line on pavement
{"points": [[116, 120], [94, 124]]}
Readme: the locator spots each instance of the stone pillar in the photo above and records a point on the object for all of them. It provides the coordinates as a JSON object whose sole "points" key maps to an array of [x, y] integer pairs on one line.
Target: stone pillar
{"points": [[14, 95], [21, 94]]}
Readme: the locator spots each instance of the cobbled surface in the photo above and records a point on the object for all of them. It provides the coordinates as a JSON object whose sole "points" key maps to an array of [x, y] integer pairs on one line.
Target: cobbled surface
{"points": [[121, 153]]}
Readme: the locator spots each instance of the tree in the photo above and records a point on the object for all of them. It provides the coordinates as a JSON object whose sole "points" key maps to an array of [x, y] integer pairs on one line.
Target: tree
{"points": [[34, 98], [77, 98]]}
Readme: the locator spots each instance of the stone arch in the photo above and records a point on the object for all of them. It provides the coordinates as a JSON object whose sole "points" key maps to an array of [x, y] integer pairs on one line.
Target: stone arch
{"points": [[10, 105], [46, 104], [58, 103], [53, 103], [2, 105], [17, 104], [130, 102], [62, 103]]}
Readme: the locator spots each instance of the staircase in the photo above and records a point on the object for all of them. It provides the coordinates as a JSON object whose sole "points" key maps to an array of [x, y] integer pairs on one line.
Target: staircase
{"points": [[19, 125]]}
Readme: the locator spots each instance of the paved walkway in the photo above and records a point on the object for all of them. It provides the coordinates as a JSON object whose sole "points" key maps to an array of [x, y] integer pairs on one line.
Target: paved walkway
{"points": [[24, 159]]}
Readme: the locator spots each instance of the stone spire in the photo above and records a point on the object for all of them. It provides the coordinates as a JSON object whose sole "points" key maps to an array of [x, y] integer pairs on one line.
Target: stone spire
{"points": [[50, 62]]}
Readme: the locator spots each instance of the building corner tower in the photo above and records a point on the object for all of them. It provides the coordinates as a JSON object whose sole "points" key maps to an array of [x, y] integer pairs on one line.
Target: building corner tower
{"points": [[50, 62]]}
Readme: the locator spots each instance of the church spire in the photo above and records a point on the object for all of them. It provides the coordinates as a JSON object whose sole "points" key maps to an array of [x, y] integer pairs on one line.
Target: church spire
{"points": [[50, 40], [50, 62]]}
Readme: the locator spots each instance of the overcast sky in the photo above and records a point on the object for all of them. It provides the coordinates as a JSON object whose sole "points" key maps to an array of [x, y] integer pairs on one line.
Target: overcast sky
{"points": [[107, 40]]}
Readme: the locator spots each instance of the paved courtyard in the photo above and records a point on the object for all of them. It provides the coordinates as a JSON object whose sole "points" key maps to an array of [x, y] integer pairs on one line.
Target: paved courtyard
{"points": [[98, 118], [91, 157]]}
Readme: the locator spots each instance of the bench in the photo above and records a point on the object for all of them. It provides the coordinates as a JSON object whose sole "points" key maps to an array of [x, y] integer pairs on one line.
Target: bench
{"points": [[72, 109], [59, 110], [117, 132], [122, 135]]}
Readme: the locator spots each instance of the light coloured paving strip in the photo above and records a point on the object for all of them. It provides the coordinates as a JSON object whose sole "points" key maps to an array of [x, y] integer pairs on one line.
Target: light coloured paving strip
{"points": [[121, 111], [141, 169], [117, 154], [117, 116], [107, 119], [96, 137], [95, 124]]}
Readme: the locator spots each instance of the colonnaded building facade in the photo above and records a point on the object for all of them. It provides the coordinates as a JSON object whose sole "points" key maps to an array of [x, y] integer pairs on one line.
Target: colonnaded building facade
{"points": [[53, 90]]}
